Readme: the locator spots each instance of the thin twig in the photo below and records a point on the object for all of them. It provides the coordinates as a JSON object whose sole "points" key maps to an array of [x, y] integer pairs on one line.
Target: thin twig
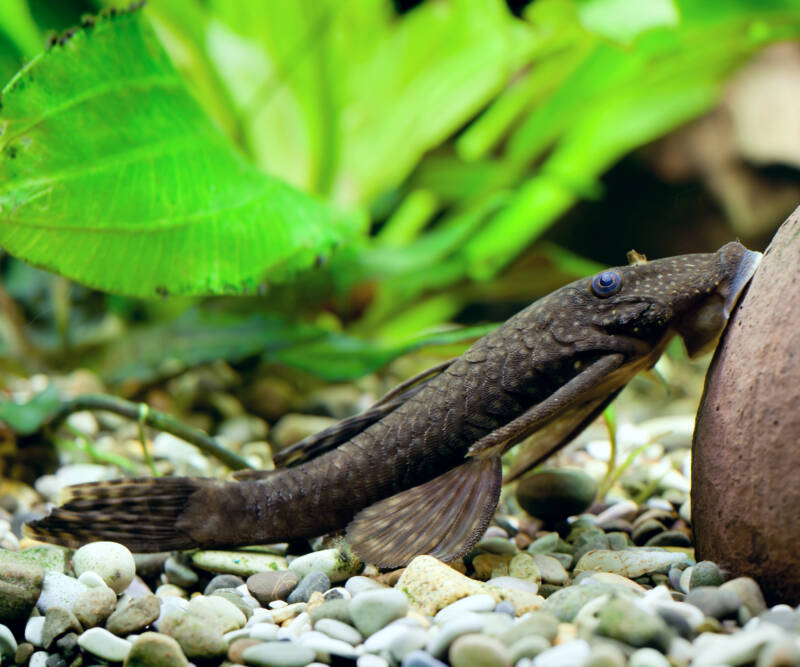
{"points": [[154, 418]]}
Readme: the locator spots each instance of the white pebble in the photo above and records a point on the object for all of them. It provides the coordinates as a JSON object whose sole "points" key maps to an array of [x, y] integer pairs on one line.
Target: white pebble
{"points": [[39, 659], [371, 660], [260, 615], [92, 580], [569, 654], [477, 603], [112, 561], [59, 590], [278, 604], [33, 630], [265, 632], [100, 642]]}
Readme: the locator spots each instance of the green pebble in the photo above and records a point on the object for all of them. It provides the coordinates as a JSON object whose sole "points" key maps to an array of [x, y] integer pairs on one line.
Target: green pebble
{"points": [[705, 573], [622, 620]]}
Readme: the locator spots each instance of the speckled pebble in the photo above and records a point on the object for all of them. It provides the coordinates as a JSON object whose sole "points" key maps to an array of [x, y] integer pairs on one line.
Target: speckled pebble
{"points": [[135, 616], [372, 610], [58, 621], [217, 611], [94, 606], [198, 639], [112, 561], [630, 563], [103, 644], [336, 565], [59, 590], [242, 563], [431, 585]]}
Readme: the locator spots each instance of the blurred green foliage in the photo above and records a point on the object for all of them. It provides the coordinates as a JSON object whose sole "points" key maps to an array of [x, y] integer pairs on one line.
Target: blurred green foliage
{"points": [[459, 131]]}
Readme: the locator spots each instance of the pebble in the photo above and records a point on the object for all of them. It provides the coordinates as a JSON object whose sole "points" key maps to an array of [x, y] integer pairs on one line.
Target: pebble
{"points": [[112, 561], [523, 566], [225, 581], [624, 510], [630, 563], [242, 563], [264, 632], [135, 616], [310, 583], [605, 655], [179, 574], [325, 647], [749, 592], [461, 624], [278, 654], [569, 654], [739, 649], [152, 648], [272, 585], [622, 620], [566, 603], [8, 645], [339, 630], [238, 601], [528, 647], [59, 590], [413, 659], [496, 545], [372, 610], [218, 611], [783, 652], [237, 648], [551, 569], [475, 650], [358, 584], [332, 562], [552, 495], [336, 609], [57, 622], [103, 644], [198, 639], [716, 602], [705, 573], [20, 587], [414, 639], [33, 630], [513, 583], [474, 603], [382, 639], [647, 657], [431, 585], [288, 611]]}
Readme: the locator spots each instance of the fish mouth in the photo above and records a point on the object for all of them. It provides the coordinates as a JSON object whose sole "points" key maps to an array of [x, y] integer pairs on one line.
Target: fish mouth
{"points": [[744, 272]]}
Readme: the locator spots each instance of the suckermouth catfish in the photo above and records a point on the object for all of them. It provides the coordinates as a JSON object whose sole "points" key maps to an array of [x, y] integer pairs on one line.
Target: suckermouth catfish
{"points": [[419, 472]]}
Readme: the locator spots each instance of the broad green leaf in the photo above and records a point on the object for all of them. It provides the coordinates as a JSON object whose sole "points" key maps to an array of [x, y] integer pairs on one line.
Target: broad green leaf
{"points": [[28, 417], [200, 336], [112, 175]]}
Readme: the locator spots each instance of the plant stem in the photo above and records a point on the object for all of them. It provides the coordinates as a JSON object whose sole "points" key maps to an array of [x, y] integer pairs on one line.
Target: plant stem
{"points": [[154, 418]]}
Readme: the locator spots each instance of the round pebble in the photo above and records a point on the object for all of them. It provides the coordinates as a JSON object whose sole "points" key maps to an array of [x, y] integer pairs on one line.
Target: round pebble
{"points": [[218, 611], [152, 648], [224, 581], [460, 624], [339, 630], [312, 582], [135, 616], [372, 610], [94, 606], [413, 659], [476, 650], [648, 657], [112, 561], [179, 574], [278, 654], [715, 602], [552, 495], [272, 585], [198, 639], [705, 573]]}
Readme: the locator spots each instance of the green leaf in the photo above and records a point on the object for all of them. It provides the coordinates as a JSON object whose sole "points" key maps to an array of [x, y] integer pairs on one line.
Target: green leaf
{"points": [[625, 20], [26, 418], [112, 175]]}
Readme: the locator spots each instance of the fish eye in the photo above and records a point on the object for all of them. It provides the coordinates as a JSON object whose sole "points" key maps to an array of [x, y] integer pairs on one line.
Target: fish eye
{"points": [[606, 283]]}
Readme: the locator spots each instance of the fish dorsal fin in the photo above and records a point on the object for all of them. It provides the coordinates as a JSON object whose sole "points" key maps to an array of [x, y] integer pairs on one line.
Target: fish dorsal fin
{"points": [[330, 438], [444, 517]]}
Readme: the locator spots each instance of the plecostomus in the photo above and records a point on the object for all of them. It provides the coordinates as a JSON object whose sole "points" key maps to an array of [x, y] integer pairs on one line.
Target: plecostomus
{"points": [[419, 472]]}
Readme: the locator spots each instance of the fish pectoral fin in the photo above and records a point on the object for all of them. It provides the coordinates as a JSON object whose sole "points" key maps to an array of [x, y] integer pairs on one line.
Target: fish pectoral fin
{"points": [[443, 518], [554, 435], [564, 398], [330, 438]]}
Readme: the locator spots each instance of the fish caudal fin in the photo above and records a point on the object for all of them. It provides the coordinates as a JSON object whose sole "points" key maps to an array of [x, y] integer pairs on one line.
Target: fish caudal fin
{"points": [[140, 513]]}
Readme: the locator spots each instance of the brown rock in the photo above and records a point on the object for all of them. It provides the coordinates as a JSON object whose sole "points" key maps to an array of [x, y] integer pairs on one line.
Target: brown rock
{"points": [[237, 648], [138, 614], [745, 494], [271, 585]]}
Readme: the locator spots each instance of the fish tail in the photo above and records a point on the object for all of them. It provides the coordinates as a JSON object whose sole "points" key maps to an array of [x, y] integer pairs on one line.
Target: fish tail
{"points": [[142, 513]]}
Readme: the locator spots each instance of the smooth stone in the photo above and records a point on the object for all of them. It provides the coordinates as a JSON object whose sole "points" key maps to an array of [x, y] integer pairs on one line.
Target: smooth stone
{"points": [[496, 545], [705, 573], [647, 530], [413, 659], [379, 642], [326, 647], [622, 620], [33, 630], [648, 657], [335, 609], [242, 563], [38, 659], [135, 616], [59, 590], [278, 654], [537, 623], [358, 584], [749, 593], [630, 563], [337, 592], [741, 648], [237, 648], [613, 579], [370, 660], [265, 632], [461, 624], [336, 565], [284, 613], [556, 494], [475, 650], [670, 538], [625, 510], [24, 652], [605, 655], [112, 561], [569, 654], [431, 585], [94, 606], [224, 615], [103, 644], [551, 569], [528, 647], [92, 580], [505, 607], [20, 587], [50, 558], [372, 610], [198, 639], [523, 566], [474, 603], [783, 652], [152, 648], [58, 621], [414, 639], [551, 543], [179, 574], [513, 583], [312, 582], [715, 602], [338, 630], [8, 645], [224, 581], [490, 565], [566, 603], [272, 585], [237, 601]]}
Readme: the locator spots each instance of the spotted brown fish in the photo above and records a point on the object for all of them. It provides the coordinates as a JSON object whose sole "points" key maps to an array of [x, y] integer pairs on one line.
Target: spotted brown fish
{"points": [[419, 472]]}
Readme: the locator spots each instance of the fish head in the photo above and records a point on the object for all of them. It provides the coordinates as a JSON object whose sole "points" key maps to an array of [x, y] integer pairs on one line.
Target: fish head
{"points": [[692, 295]]}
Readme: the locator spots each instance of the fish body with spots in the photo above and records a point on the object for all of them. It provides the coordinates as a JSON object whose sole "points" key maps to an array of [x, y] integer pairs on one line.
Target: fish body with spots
{"points": [[419, 472]]}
